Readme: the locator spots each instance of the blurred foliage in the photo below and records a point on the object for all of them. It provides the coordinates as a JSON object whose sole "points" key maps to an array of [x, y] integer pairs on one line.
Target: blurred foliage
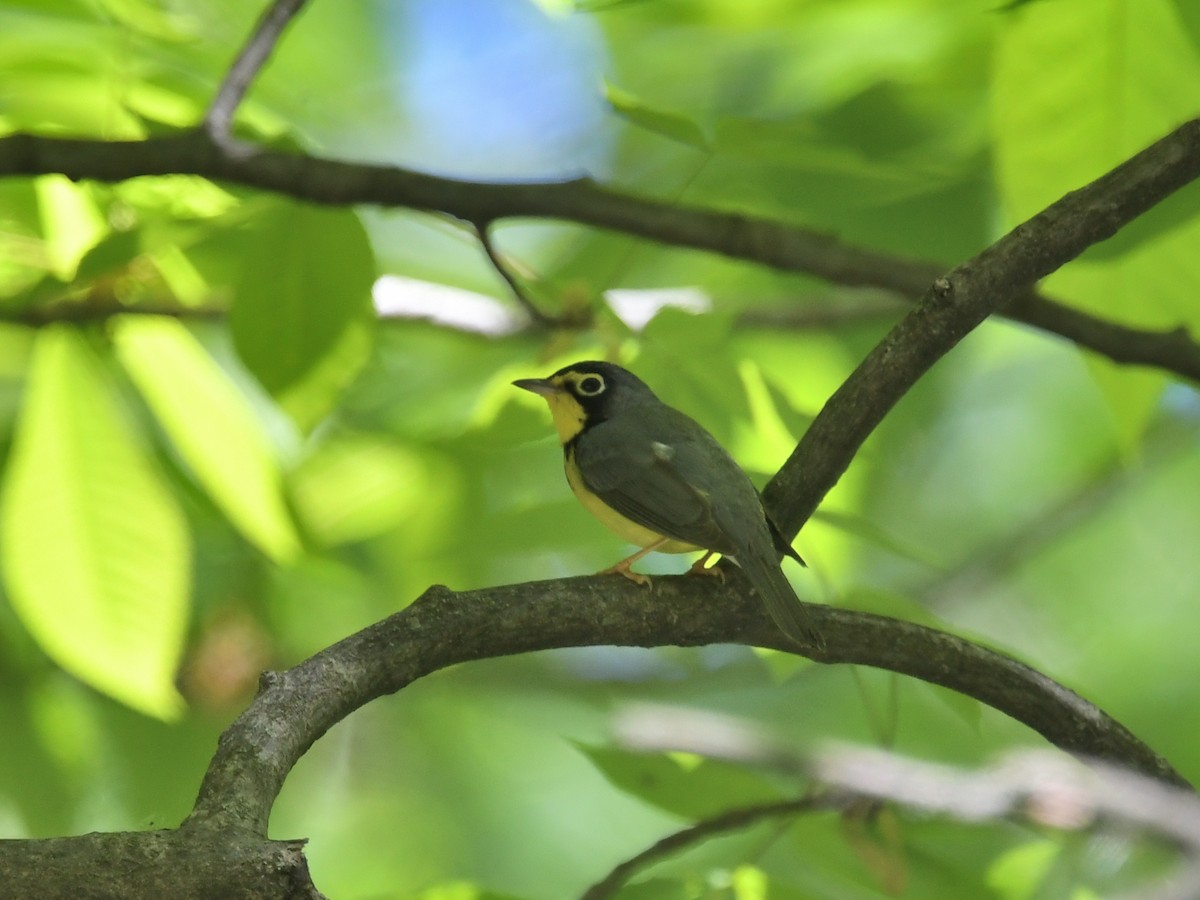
{"points": [[229, 462]]}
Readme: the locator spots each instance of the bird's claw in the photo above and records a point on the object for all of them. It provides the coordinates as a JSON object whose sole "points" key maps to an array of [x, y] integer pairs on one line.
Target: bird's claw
{"points": [[624, 570], [698, 568]]}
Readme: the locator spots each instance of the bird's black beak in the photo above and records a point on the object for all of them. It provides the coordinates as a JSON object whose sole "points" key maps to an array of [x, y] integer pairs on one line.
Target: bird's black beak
{"points": [[538, 386]]}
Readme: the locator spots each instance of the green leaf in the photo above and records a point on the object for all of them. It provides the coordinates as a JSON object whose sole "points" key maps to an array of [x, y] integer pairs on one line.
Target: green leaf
{"points": [[310, 400], [21, 221], [1189, 13], [1133, 76], [796, 146], [71, 222], [892, 604], [304, 286], [152, 20], [687, 359], [112, 254], [352, 488], [1015, 4], [867, 531], [658, 889], [95, 552], [671, 125], [1132, 396], [462, 890], [1017, 874], [212, 426], [693, 791]]}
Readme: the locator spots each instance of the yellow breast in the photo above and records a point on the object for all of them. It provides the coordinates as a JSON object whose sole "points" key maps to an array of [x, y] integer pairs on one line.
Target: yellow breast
{"points": [[624, 528]]}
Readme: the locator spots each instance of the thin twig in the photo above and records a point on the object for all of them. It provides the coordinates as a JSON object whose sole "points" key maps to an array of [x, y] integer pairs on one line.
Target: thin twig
{"points": [[731, 820], [248, 64], [1037, 786], [514, 284]]}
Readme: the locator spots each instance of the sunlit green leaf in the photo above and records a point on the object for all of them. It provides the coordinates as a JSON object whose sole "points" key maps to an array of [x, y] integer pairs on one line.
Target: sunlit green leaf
{"points": [[353, 488], [24, 257], [750, 883], [95, 552], [212, 427], [151, 19], [156, 104], [311, 398], [77, 100], [178, 196], [1132, 77], [1017, 874], [71, 222]]}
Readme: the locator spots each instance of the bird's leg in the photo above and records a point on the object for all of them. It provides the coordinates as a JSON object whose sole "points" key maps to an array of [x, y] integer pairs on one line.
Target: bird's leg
{"points": [[622, 568], [698, 567]]}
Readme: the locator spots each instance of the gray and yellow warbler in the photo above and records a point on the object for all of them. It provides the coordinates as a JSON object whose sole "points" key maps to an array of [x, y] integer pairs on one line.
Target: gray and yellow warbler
{"points": [[660, 481]]}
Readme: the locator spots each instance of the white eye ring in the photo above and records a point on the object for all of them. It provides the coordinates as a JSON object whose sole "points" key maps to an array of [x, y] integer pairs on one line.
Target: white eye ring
{"points": [[590, 385]]}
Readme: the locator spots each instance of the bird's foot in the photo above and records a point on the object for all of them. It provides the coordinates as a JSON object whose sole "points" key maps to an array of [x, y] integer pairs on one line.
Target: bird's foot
{"points": [[622, 568], [698, 568]]}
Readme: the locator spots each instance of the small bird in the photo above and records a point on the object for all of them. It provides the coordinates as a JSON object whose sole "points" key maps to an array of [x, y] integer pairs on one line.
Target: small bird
{"points": [[657, 479]]}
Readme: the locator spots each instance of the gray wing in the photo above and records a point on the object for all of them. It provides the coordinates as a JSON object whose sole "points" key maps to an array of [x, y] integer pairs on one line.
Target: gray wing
{"points": [[658, 476]]}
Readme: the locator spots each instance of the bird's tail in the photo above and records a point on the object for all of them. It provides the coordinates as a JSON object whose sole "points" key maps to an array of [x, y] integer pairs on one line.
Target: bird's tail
{"points": [[780, 599]]}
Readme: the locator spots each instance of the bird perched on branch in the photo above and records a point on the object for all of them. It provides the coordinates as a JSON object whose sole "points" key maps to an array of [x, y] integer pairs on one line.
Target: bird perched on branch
{"points": [[659, 480]]}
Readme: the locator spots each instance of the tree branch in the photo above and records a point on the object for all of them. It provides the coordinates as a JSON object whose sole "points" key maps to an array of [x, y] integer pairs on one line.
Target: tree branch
{"points": [[443, 628], [246, 67], [179, 864], [757, 240], [1036, 787], [1042, 787], [731, 820], [962, 300]]}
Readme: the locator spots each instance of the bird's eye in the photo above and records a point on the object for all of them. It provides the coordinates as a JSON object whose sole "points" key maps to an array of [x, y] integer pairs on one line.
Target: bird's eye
{"points": [[590, 385]]}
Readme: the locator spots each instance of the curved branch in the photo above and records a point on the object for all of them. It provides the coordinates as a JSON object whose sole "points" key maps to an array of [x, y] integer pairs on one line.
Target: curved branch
{"points": [[443, 628], [743, 237]]}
